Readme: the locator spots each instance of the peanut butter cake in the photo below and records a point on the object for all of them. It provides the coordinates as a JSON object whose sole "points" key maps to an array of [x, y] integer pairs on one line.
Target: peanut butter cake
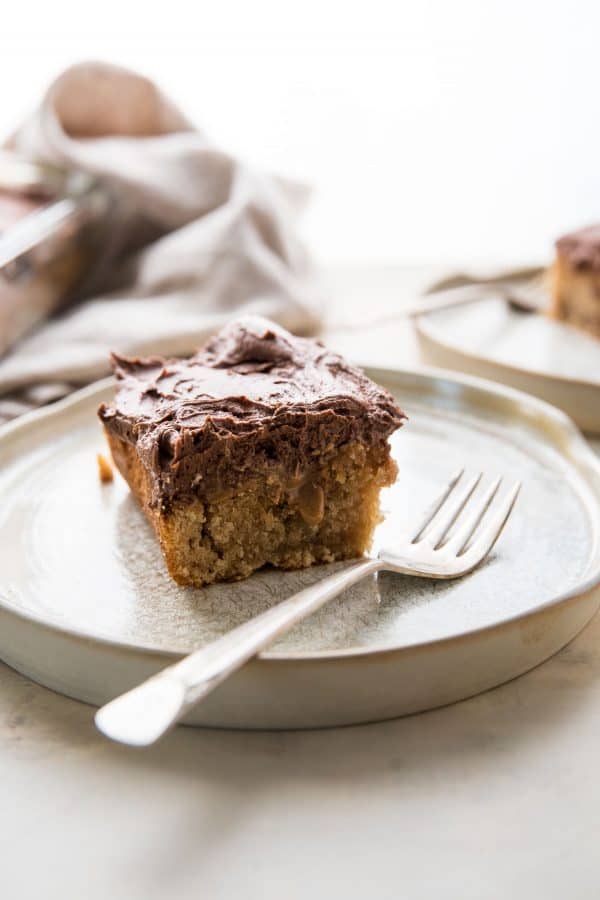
{"points": [[576, 279], [262, 449]]}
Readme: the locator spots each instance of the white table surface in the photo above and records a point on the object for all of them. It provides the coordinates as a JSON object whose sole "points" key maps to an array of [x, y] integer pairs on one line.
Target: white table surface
{"points": [[494, 797]]}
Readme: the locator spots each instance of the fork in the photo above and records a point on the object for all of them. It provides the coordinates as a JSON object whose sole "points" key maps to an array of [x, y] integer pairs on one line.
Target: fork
{"points": [[456, 534]]}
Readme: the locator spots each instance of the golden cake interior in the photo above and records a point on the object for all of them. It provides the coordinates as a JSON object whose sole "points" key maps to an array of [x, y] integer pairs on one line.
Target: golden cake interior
{"points": [[576, 295], [270, 517]]}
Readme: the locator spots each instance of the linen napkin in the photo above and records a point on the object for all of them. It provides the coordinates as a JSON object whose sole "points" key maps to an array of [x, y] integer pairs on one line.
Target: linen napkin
{"points": [[197, 236]]}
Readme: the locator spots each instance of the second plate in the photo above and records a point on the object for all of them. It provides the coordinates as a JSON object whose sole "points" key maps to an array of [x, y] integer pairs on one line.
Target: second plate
{"points": [[553, 361]]}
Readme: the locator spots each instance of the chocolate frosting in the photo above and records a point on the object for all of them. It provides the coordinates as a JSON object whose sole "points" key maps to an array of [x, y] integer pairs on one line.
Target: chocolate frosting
{"points": [[254, 394], [581, 248]]}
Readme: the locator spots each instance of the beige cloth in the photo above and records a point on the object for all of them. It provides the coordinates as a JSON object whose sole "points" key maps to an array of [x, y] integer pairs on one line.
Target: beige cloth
{"points": [[222, 236]]}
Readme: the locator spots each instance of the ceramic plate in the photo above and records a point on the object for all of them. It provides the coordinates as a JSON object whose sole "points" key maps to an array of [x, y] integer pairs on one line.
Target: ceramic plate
{"points": [[554, 361], [87, 609]]}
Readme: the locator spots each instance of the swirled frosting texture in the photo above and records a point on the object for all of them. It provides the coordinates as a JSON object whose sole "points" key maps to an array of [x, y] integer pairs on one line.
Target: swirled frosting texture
{"points": [[255, 395]]}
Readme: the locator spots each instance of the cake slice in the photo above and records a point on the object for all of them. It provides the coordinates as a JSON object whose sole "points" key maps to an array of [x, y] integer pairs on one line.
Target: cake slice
{"points": [[262, 449], [576, 279]]}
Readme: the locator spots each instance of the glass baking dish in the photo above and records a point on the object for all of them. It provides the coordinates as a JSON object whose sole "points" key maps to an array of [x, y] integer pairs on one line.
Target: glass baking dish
{"points": [[50, 232]]}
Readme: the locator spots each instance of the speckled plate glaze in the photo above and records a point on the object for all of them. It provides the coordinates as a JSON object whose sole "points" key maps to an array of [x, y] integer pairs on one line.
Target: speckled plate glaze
{"points": [[86, 607], [533, 353]]}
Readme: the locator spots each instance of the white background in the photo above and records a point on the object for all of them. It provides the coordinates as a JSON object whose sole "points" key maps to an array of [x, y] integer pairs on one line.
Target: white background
{"points": [[432, 131]]}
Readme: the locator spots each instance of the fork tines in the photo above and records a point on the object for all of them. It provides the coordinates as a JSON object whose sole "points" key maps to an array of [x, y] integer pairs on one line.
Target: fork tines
{"points": [[460, 505]]}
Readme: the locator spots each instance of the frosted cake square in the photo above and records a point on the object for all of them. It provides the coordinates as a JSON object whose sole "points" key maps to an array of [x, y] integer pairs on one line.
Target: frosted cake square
{"points": [[262, 449]]}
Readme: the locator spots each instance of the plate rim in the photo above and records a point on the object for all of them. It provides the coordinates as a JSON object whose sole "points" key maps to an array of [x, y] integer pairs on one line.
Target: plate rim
{"points": [[424, 330], [575, 440]]}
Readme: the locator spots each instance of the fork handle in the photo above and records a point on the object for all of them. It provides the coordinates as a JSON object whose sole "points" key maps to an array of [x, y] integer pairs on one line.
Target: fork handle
{"points": [[141, 716]]}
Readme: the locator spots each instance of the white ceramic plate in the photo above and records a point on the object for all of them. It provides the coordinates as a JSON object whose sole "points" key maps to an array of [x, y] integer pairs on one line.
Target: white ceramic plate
{"points": [[87, 609], [554, 361]]}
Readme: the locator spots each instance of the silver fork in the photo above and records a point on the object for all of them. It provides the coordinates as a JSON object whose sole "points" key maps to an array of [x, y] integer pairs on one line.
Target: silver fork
{"points": [[455, 535]]}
